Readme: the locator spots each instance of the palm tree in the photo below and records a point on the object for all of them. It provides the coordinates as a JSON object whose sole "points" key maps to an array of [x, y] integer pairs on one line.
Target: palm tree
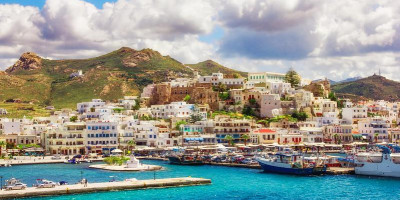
{"points": [[229, 138], [131, 143], [336, 138], [2, 143], [376, 137], [245, 137]]}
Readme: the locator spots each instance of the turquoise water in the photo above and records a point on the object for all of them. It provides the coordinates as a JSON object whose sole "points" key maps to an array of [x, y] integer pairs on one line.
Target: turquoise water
{"points": [[227, 183]]}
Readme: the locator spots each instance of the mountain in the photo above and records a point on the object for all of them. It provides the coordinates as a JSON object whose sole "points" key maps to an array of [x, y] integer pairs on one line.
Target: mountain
{"points": [[111, 76], [332, 82], [207, 67], [349, 79], [374, 87]]}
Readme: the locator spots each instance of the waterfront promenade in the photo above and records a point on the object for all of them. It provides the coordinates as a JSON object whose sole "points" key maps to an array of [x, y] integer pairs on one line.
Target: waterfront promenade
{"points": [[26, 160], [104, 186]]}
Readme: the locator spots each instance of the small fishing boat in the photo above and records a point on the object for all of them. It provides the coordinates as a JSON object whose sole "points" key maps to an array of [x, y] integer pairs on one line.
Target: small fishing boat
{"points": [[185, 160], [287, 161]]}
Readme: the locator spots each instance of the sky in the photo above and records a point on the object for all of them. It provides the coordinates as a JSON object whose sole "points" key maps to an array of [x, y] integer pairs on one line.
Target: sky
{"points": [[334, 39]]}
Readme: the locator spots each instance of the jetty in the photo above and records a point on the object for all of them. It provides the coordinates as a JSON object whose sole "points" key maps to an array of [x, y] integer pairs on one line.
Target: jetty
{"points": [[104, 186], [340, 170]]}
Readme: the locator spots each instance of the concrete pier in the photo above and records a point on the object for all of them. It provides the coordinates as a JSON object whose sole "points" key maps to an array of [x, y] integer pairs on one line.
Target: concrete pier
{"points": [[105, 186], [339, 170]]}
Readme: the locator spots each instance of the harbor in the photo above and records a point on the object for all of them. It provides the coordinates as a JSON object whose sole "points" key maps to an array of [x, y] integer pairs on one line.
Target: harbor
{"points": [[103, 186], [227, 182]]}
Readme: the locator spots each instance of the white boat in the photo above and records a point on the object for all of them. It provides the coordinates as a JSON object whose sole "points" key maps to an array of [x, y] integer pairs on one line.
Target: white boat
{"points": [[382, 163]]}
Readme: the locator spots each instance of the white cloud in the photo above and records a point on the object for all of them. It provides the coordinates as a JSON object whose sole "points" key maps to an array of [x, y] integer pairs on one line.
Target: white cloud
{"points": [[337, 39]]}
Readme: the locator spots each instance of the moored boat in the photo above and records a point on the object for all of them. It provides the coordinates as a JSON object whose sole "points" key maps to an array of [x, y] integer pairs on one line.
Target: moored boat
{"points": [[288, 161], [185, 160], [383, 163]]}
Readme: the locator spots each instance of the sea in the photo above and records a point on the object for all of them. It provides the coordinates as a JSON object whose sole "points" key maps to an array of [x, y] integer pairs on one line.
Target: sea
{"points": [[227, 183]]}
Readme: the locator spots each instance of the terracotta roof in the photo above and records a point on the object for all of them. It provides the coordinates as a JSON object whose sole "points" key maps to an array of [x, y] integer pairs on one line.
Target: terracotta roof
{"points": [[265, 130]]}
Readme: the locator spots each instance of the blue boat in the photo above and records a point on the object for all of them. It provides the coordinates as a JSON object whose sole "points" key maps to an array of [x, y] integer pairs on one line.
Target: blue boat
{"points": [[289, 162]]}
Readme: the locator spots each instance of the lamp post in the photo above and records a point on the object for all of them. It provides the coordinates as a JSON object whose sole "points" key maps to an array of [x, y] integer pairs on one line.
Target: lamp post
{"points": [[1, 179]]}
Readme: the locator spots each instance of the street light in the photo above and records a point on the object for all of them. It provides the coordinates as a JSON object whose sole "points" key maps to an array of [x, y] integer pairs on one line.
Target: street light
{"points": [[1, 179]]}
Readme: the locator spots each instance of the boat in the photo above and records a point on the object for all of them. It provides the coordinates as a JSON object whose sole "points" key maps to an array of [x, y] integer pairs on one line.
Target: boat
{"points": [[375, 163], [185, 160], [287, 161], [72, 161]]}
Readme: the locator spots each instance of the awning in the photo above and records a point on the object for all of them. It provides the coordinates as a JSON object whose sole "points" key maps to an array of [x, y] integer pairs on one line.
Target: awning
{"points": [[194, 139]]}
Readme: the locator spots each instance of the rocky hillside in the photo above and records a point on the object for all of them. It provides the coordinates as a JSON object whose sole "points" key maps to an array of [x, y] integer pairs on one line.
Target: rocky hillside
{"points": [[374, 87], [207, 67], [111, 76]]}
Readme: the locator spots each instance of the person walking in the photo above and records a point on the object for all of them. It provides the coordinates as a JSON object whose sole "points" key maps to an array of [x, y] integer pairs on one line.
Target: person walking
{"points": [[86, 181]]}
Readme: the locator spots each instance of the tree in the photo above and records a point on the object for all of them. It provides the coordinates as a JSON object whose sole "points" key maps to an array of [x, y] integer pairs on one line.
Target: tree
{"points": [[194, 118], [137, 104], [332, 96], [236, 75], [229, 138], [178, 124], [336, 138], [73, 118], [301, 116], [376, 137], [292, 77], [224, 96], [187, 98], [2, 144], [131, 145], [247, 110], [245, 137]]}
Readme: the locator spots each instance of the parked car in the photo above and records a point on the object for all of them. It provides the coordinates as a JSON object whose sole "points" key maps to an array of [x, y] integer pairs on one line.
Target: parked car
{"points": [[46, 184], [16, 186]]}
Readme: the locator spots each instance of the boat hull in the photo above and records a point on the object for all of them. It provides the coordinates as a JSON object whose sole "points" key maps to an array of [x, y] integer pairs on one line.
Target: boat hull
{"points": [[178, 161], [386, 168], [269, 167]]}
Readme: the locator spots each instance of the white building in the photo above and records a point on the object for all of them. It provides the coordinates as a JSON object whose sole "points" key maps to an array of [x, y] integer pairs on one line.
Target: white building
{"points": [[174, 109], [270, 105], [351, 112], [263, 77], [375, 127], [102, 136], [89, 106]]}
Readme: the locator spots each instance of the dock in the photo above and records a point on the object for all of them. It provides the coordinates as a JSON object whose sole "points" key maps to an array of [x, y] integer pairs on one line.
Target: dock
{"points": [[104, 186], [340, 170]]}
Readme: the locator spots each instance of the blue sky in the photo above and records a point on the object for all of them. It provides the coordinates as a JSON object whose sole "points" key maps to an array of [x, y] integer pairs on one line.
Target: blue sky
{"points": [[333, 39], [40, 3]]}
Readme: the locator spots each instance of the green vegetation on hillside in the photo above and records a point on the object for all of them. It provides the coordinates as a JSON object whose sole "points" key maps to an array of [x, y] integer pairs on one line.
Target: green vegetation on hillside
{"points": [[20, 110], [373, 87], [208, 67], [109, 77]]}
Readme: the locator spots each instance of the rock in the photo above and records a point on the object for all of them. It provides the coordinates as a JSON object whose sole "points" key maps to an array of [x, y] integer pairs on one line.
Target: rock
{"points": [[27, 61]]}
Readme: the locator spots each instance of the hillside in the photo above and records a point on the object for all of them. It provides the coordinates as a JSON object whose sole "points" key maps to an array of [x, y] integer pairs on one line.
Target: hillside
{"points": [[373, 87], [207, 67], [111, 76]]}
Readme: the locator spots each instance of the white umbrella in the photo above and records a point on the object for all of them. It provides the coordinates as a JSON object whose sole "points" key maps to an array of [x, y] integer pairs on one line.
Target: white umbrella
{"points": [[116, 151]]}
